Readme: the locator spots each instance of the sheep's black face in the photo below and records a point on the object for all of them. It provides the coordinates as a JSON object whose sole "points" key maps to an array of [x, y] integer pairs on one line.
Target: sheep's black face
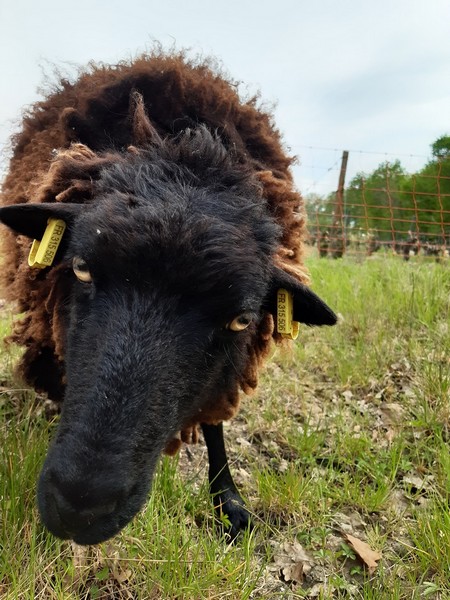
{"points": [[169, 279], [165, 300]]}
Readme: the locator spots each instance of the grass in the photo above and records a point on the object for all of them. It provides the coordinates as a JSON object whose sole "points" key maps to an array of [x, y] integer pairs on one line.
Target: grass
{"points": [[348, 434]]}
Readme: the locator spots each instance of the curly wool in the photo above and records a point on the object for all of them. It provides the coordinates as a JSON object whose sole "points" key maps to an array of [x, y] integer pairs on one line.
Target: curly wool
{"points": [[66, 140]]}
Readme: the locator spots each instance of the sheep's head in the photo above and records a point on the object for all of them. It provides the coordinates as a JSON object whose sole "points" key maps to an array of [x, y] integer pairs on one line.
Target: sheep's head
{"points": [[170, 272]]}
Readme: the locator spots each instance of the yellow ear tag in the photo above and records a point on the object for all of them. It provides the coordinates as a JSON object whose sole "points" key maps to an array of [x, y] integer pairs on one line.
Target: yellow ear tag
{"points": [[285, 312], [43, 253]]}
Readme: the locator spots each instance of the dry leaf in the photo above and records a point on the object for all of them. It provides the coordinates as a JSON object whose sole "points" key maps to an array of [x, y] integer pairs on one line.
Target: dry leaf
{"points": [[349, 521], [390, 435], [293, 572], [392, 413], [291, 562], [120, 575], [365, 552]]}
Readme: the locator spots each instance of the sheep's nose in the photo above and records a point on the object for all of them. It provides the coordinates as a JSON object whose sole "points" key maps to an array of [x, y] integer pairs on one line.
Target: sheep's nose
{"points": [[78, 513], [72, 507]]}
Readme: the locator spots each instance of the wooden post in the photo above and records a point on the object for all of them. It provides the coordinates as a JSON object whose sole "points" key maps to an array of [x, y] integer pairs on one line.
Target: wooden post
{"points": [[338, 242]]}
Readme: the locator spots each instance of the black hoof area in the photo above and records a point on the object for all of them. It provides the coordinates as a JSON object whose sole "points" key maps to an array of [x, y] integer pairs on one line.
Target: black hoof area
{"points": [[231, 514]]}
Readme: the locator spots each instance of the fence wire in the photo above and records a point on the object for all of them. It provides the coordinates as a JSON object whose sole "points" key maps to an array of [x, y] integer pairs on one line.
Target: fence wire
{"points": [[389, 210]]}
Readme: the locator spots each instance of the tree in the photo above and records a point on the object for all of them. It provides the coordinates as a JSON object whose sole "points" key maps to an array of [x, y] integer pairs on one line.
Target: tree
{"points": [[390, 204], [441, 147], [319, 211], [429, 192], [395, 205], [371, 201]]}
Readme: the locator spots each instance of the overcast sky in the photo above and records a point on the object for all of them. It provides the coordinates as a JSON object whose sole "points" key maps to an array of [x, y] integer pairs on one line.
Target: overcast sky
{"points": [[371, 77]]}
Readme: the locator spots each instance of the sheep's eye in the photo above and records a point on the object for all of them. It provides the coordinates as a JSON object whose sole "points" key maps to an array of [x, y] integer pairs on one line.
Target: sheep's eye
{"points": [[81, 270], [240, 323]]}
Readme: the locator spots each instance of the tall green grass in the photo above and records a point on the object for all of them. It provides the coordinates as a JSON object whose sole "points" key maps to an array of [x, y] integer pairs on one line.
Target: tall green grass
{"points": [[348, 433]]}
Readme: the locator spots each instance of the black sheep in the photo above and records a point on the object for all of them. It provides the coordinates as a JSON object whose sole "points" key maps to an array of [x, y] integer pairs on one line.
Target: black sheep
{"points": [[182, 225]]}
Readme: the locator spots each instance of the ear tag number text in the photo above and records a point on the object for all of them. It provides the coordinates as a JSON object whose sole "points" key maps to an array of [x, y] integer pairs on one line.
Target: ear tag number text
{"points": [[43, 253], [285, 313]]}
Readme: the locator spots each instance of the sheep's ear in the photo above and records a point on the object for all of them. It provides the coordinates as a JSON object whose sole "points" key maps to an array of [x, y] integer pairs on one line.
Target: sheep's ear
{"points": [[31, 219], [308, 307]]}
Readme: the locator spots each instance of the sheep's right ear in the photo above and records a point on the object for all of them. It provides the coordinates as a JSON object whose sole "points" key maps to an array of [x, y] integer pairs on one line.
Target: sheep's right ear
{"points": [[31, 219]]}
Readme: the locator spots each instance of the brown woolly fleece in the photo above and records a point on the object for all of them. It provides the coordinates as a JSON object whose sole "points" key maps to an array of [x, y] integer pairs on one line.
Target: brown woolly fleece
{"points": [[64, 141]]}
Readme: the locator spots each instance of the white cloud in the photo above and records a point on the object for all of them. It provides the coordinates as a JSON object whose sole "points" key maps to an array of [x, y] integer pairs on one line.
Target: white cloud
{"points": [[367, 76]]}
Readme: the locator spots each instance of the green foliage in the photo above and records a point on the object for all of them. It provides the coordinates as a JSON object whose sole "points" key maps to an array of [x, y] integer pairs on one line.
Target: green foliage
{"points": [[428, 192], [371, 201], [319, 211], [347, 434], [390, 204], [441, 147]]}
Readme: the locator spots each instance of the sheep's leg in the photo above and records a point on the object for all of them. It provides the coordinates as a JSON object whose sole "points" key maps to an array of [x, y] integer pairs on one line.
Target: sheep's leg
{"points": [[223, 489]]}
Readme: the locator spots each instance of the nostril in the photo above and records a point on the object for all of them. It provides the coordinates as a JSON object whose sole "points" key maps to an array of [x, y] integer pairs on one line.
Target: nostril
{"points": [[98, 511], [82, 504]]}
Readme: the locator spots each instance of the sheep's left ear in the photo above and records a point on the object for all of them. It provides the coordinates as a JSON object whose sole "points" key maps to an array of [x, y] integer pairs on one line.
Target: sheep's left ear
{"points": [[308, 307], [31, 219]]}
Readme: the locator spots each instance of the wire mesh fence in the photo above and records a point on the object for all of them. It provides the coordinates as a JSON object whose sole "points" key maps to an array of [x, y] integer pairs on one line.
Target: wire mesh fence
{"points": [[388, 210]]}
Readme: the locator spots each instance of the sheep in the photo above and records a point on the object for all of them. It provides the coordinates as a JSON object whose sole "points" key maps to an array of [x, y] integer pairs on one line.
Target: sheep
{"points": [[166, 208]]}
